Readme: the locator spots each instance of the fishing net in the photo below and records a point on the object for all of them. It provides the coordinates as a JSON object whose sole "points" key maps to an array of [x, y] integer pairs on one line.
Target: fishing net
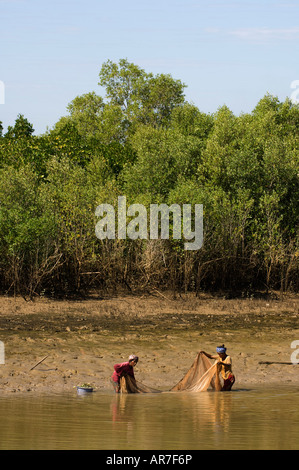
{"points": [[201, 375], [130, 385]]}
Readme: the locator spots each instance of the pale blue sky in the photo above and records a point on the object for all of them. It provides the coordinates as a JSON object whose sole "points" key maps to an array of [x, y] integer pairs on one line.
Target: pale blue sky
{"points": [[226, 52]]}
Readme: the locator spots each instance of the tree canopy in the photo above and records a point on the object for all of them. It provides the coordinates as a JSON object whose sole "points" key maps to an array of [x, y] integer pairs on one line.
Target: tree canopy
{"points": [[142, 139]]}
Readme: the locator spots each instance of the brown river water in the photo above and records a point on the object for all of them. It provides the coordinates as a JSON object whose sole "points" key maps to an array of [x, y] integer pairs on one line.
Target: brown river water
{"points": [[260, 418]]}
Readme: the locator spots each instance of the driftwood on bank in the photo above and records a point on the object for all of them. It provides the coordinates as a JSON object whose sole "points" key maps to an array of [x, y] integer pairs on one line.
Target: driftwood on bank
{"points": [[39, 362]]}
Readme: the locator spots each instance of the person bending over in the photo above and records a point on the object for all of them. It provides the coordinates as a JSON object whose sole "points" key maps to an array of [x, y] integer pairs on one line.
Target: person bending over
{"points": [[122, 369]]}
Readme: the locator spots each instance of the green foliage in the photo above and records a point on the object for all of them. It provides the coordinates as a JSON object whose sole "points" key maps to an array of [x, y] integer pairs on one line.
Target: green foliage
{"points": [[163, 155], [21, 129], [143, 140], [27, 242], [142, 97]]}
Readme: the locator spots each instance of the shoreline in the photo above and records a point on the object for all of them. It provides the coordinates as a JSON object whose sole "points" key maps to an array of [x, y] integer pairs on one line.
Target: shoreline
{"points": [[83, 339]]}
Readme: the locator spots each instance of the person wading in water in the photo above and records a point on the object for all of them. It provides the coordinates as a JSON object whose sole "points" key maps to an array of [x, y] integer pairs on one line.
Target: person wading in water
{"points": [[224, 367], [120, 370]]}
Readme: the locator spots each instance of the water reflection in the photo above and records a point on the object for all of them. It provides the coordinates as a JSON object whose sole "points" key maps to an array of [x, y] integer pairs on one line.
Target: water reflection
{"points": [[256, 419], [173, 421]]}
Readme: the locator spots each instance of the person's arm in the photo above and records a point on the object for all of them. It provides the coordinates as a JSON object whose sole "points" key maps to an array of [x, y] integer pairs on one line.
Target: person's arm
{"points": [[208, 355]]}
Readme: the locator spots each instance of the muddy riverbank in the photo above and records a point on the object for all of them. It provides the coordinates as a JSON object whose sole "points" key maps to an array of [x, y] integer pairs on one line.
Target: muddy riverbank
{"points": [[83, 339]]}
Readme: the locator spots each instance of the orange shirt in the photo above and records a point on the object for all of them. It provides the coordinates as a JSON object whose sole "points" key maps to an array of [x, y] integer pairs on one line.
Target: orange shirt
{"points": [[226, 367]]}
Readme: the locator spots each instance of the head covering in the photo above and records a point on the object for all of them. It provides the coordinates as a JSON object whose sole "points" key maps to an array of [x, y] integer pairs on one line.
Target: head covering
{"points": [[133, 358], [221, 349]]}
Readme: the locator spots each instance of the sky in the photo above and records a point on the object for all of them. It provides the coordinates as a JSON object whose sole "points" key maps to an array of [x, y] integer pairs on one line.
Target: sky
{"points": [[226, 52]]}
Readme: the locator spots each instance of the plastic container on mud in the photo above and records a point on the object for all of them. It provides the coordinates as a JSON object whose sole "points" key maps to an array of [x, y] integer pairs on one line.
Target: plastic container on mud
{"points": [[84, 390]]}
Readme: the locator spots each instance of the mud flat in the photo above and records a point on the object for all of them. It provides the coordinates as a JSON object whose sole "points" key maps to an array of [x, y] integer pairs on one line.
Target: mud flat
{"points": [[82, 339]]}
